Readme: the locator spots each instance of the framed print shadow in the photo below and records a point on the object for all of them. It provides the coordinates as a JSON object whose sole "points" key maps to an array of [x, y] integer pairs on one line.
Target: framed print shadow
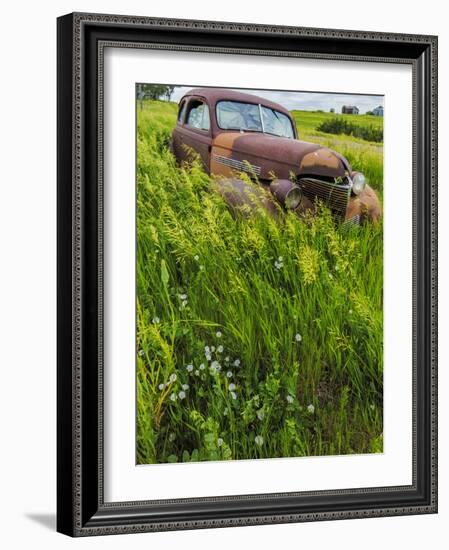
{"points": [[247, 274]]}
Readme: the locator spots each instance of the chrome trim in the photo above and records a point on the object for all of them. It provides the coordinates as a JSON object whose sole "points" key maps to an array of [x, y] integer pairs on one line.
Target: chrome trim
{"points": [[336, 196], [237, 164]]}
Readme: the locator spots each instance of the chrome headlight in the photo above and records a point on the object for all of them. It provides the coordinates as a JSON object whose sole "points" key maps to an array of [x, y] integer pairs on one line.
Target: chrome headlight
{"points": [[287, 193], [358, 183]]}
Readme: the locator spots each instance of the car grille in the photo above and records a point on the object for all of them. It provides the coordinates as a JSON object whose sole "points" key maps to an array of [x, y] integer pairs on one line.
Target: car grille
{"points": [[334, 196]]}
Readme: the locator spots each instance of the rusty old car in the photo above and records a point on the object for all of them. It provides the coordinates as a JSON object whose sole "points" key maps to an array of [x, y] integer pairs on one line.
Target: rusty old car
{"points": [[234, 132]]}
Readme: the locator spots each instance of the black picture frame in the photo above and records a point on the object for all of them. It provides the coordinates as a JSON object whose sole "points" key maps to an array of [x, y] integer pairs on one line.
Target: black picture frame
{"points": [[81, 509]]}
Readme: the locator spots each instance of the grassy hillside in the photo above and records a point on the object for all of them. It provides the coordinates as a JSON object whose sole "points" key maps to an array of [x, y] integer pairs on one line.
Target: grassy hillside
{"points": [[255, 338]]}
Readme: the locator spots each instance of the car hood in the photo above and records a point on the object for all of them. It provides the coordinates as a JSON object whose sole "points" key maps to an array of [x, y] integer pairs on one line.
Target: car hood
{"points": [[273, 152]]}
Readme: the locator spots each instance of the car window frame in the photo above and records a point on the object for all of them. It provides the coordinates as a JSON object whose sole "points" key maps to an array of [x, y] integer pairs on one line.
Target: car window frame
{"points": [[203, 100]]}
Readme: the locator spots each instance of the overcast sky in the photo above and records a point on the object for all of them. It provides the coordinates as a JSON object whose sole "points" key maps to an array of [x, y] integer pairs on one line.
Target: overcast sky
{"points": [[308, 101]]}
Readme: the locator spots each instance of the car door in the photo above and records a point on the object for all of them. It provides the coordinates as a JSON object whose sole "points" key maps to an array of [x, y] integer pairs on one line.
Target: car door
{"points": [[196, 131]]}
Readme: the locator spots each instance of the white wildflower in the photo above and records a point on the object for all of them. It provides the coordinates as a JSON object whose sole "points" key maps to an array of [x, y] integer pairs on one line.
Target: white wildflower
{"points": [[208, 356], [156, 320], [310, 409], [215, 366], [280, 259], [229, 374], [172, 437], [231, 386], [183, 296], [219, 442], [237, 363], [189, 368], [260, 414], [184, 303], [220, 349], [173, 397], [196, 257], [201, 267], [298, 337], [197, 372], [173, 377], [141, 352], [258, 440], [185, 386], [182, 394], [202, 366], [227, 359], [212, 348], [161, 386], [206, 349], [225, 411], [218, 334], [233, 395], [290, 399], [350, 311]]}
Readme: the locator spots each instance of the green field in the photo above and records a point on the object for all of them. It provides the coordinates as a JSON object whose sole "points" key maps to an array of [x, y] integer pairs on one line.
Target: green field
{"points": [[255, 338]]}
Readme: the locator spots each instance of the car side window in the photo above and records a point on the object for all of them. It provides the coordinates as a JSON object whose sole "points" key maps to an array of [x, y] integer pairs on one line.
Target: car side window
{"points": [[182, 110], [198, 115]]}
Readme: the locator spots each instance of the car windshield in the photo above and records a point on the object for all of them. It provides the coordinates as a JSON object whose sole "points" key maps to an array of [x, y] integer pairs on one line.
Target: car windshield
{"points": [[248, 117]]}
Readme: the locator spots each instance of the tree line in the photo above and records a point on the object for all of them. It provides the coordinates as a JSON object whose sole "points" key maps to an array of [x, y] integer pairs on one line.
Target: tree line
{"points": [[153, 91]]}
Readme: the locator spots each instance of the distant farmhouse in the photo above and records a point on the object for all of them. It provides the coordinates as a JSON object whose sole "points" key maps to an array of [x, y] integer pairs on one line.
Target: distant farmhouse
{"points": [[378, 111], [350, 110]]}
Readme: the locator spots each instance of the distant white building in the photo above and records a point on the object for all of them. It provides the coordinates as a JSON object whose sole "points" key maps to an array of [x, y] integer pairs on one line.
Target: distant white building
{"points": [[378, 111]]}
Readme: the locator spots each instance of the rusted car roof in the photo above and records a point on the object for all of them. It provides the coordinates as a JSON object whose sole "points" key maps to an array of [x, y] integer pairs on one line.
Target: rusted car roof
{"points": [[213, 95]]}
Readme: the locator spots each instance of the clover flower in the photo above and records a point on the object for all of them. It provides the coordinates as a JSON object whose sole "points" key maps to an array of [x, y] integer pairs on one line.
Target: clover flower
{"points": [[208, 356], [197, 372], [173, 377], [156, 320], [232, 386], [202, 366], [182, 394], [289, 399], [258, 440], [227, 359], [189, 368], [225, 411], [141, 352], [278, 264], [161, 386], [237, 363], [298, 337], [233, 395], [219, 442], [184, 303], [220, 349], [218, 334], [173, 397], [183, 297], [260, 414], [229, 374], [310, 409], [212, 348], [206, 349], [185, 386], [172, 437], [196, 257]]}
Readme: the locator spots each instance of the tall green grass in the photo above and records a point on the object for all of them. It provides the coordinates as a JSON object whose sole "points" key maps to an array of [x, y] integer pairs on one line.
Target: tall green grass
{"points": [[256, 338]]}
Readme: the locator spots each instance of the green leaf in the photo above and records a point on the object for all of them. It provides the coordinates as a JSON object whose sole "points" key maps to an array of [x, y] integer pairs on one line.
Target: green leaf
{"points": [[164, 273], [185, 456]]}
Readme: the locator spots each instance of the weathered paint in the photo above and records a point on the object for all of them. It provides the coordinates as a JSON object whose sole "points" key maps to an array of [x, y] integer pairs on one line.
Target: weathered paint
{"points": [[225, 153]]}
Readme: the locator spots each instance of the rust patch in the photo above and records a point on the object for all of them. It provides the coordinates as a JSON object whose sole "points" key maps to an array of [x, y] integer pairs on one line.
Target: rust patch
{"points": [[366, 205]]}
